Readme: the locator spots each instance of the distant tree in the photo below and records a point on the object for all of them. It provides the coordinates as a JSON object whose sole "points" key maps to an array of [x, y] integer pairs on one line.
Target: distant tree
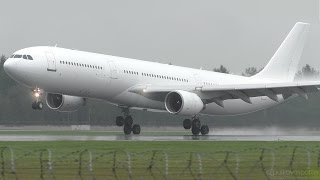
{"points": [[3, 58], [5, 81], [307, 72], [221, 69], [250, 71]]}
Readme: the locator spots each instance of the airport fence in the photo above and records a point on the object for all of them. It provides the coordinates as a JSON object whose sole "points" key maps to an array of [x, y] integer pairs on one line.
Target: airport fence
{"points": [[283, 162]]}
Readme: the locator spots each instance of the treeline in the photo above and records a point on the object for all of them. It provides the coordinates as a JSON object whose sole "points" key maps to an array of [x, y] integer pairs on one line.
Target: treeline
{"points": [[306, 73], [15, 109]]}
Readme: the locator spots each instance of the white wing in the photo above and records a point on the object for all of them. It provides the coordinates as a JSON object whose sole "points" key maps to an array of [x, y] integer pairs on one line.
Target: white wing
{"points": [[219, 93]]}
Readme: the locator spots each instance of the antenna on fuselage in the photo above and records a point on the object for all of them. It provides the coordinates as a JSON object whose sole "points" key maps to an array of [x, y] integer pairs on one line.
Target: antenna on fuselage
{"points": [[56, 45]]}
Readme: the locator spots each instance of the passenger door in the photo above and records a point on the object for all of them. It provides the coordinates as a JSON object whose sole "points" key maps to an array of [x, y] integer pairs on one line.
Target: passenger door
{"points": [[197, 80], [113, 70], [51, 62]]}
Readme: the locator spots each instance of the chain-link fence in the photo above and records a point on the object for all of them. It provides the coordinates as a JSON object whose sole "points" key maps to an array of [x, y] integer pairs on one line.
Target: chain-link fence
{"points": [[283, 162]]}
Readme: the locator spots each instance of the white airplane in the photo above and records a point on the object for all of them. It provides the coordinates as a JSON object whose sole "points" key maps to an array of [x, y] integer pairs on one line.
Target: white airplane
{"points": [[69, 77]]}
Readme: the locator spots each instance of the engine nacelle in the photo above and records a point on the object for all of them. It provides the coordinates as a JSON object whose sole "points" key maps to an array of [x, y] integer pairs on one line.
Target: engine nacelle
{"points": [[64, 103], [183, 103]]}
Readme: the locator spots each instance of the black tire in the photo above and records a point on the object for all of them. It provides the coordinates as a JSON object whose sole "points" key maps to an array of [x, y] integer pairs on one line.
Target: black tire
{"points": [[128, 121], [136, 129], [34, 106], [204, 130], [127, 129], [39, 105], [195, 130], [196, 124], [119, 121], [187, 124]]}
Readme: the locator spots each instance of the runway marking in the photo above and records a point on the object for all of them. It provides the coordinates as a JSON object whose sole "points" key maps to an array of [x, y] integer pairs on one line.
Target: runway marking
{"points": [[160, 138]]}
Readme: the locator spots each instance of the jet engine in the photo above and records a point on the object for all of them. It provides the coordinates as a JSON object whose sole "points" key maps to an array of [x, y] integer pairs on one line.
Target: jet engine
{"points": [[183, 103], [64, 103]]}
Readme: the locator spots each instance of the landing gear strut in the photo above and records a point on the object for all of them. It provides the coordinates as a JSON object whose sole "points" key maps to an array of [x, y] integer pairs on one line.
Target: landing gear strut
{"points": [[37, 104], [127, 122], [195, 126]]}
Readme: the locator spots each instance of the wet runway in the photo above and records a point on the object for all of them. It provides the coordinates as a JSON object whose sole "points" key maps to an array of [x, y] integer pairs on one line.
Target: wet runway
{"points": [[160, 138]]}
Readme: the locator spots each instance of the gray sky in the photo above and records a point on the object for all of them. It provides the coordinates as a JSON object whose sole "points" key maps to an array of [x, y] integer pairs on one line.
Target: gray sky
{"points": [[206, 33]]}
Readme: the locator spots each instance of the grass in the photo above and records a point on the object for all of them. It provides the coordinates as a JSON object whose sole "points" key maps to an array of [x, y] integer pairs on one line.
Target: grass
{"points": [[147, 159]]}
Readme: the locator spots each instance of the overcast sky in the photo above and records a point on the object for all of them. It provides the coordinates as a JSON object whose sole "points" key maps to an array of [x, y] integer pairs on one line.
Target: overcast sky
{"points": [[235, 33]]}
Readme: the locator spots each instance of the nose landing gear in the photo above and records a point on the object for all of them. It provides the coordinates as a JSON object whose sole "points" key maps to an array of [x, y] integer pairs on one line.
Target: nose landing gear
{"points": [[127, 122], [37, 104]]}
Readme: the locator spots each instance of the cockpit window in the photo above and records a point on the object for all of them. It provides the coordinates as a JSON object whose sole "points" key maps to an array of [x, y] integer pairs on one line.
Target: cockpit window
{"points": [[27, 57], [30, 57], [12, 56]]}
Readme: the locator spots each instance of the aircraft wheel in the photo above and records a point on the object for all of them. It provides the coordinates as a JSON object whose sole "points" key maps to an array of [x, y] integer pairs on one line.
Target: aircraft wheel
{"points": [[128, 121], [119, 121], [195, 130], [34, 105], [136, 129], [127, 129], [39, 105], [204, 130], [187, 124], [196, 124]]}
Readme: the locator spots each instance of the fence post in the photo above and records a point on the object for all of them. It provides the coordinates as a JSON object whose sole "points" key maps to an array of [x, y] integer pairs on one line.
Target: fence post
{"points": [[89, 164], [48, 162], [12, 162]]}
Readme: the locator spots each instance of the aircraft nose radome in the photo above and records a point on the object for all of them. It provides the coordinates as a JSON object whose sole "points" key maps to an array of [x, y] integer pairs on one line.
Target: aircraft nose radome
{"points": [[8, 66]]}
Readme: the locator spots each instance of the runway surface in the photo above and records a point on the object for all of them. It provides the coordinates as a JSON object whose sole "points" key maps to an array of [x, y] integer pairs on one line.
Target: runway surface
{"points": [[160, 138]]}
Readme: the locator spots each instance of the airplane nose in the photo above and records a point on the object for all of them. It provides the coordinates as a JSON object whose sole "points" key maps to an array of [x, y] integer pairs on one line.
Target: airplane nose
{"points": [[8, 66]]}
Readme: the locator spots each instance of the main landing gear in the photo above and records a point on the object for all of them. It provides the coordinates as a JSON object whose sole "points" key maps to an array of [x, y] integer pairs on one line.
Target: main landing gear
{"points": [[195, 126], [37, 104], [127, 122]]}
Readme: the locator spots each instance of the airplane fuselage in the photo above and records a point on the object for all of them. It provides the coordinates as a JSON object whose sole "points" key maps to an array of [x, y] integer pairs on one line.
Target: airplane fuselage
{"points": [[97, 76]]}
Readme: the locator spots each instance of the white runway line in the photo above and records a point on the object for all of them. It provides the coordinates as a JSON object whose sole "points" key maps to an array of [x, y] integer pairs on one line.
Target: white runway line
{"points": [[161, 138]]}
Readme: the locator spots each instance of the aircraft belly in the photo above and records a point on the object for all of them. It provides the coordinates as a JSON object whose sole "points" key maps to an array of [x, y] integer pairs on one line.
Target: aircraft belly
{"points": [[136, 100]]}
